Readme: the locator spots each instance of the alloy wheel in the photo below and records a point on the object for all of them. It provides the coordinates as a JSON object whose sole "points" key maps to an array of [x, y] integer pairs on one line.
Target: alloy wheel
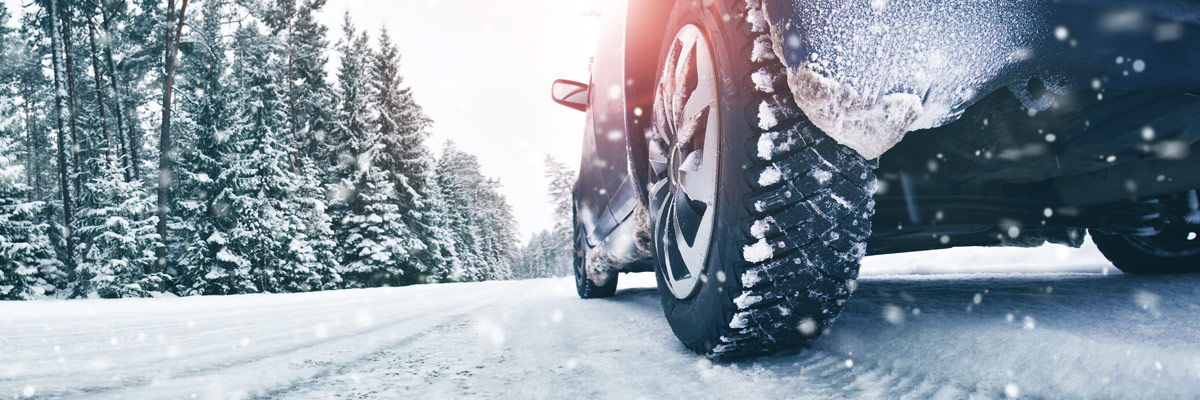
{"points": [[684, 152]]}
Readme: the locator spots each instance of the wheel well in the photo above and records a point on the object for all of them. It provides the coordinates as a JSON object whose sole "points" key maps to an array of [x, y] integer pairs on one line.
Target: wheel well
{"points": [[644, 29]]}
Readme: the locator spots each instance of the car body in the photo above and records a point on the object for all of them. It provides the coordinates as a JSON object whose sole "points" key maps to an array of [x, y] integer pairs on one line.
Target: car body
{"points": [[943, 123], [986, 158]]}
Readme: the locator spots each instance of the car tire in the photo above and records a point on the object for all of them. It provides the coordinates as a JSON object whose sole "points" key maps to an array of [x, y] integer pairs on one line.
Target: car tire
{"points": [[1165, 253], [793, 210], [584, 286]]}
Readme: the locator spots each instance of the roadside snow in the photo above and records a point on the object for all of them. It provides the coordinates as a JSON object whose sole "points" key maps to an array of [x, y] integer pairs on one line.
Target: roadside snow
{"points": [[963, 327], [1087, 258]]}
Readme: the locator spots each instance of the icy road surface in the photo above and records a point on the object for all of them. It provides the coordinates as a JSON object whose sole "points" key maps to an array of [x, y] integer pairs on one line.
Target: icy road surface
{"points": [[1054, 326]]}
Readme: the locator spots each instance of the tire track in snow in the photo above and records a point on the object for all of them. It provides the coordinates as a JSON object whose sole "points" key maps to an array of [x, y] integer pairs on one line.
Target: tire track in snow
{"points": [[171, 380], [456, 318]]}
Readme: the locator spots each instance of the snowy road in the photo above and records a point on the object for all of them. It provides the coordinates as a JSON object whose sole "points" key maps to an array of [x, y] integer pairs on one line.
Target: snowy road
{"points": [[1072, 333]]}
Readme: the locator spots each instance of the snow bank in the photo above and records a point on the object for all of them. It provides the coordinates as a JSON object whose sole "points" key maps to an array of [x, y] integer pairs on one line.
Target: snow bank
{"points": [[976, 260]]}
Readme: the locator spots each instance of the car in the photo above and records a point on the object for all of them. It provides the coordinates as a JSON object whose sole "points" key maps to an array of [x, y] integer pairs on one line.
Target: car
{"points": [[752, 152]]}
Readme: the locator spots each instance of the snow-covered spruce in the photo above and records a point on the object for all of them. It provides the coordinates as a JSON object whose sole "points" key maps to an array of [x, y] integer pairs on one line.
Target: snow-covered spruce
{"points": [[282, 177], [811, 216], [28, 266]]}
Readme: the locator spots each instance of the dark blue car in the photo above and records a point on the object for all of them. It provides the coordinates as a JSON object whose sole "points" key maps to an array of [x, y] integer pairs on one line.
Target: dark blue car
{"points": [[752, 152]]}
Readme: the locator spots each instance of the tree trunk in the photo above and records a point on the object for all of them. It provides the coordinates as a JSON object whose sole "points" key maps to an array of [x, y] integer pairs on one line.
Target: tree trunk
{"points": [[33, 146], [164, 138], [99, 92], [292, 105], [29, 154], [134, 170], [76, 145], [64, 175]]}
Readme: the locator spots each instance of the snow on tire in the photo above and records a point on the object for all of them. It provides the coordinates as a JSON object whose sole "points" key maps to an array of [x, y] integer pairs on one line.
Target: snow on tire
{"points": [[794, 207]]}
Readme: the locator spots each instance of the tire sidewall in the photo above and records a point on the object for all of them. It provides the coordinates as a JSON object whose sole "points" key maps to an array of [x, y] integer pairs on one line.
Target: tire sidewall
{"points": [[1131, 259], [698, 319]]}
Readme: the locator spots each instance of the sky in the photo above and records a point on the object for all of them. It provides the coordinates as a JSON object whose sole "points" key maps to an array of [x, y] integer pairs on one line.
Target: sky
{"points": [[482, 71]]}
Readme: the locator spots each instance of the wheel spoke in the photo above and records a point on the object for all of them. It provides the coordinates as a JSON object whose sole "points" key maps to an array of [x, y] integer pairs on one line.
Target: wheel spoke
{"points": [[667, 83], [687, 216], [698, 105], [685, 80], [660, 194], [658, 157], [698, 183], [690, 135], [662, 125], [693, 228]]}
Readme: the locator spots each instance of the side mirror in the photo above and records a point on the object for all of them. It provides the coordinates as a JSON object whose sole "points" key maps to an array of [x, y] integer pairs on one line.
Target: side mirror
{"points": [[570, 93]]}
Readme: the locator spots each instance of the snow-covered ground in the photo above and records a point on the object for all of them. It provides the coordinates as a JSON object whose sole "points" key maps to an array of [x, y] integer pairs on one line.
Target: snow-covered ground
{"points": [[964, 323]]}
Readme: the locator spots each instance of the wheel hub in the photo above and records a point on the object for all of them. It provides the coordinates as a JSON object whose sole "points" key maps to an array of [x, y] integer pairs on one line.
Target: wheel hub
{"points": [[684, 156]]}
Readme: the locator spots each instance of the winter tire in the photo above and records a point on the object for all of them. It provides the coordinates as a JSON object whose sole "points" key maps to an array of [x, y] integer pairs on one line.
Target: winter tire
{"points": [[760, 220], [1176, 249], [584, 286]]}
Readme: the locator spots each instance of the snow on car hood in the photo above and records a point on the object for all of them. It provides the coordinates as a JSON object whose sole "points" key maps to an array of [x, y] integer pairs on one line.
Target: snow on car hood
{"points": [[868, 71]]}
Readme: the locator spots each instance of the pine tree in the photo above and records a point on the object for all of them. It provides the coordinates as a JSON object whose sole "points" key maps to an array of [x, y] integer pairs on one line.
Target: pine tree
{"points": [[28, 265], [7, 49], [266, 196], [374, 236], [133, 55], [500, 228], [458, 190], [560, 194], [310, 105], [311, 251], [65, 171], [402, 127], [24, 52], [442, 252], [310, 97], [120, 238], [206, 184], [480, 221]]}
